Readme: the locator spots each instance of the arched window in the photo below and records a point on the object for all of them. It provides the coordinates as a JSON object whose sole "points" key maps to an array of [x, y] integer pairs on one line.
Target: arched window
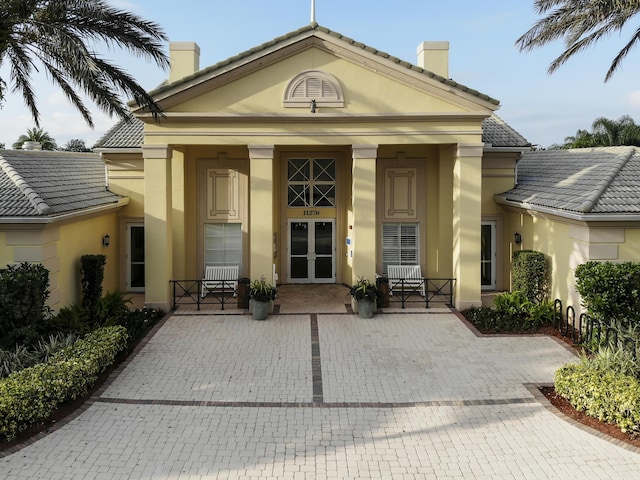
{"points": [[314, 85]]}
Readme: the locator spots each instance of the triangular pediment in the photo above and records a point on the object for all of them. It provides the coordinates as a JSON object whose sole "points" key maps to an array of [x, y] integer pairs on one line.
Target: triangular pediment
{"points": [[257, 82]]}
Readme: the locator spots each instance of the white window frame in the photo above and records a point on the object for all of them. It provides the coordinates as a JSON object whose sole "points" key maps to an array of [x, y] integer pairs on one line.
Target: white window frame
{"points": [[227, 251], [402, 249]]}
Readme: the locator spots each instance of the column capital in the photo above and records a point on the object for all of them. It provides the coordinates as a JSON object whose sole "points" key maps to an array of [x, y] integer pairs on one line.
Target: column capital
{"points": [[469, 149], [364, 151], [156, 151], [260, 152]]}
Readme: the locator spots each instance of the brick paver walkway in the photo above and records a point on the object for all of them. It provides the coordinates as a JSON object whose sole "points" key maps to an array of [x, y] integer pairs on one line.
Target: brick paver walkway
{"points": [[326, 396]]}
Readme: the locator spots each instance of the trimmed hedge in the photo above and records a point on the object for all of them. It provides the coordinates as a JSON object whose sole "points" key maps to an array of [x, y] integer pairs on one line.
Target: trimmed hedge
{"points": [[33, 394], [531, 275], [601, 393]]}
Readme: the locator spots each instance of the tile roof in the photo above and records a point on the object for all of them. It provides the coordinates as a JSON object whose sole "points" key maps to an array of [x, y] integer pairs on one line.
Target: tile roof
{"points": [[37, 183], [603, 180], [498, 133], [308, 31], [130, 134]]}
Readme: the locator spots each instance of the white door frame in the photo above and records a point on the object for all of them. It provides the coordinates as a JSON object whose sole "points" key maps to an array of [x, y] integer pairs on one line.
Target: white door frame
{"points": [[311, 255]]}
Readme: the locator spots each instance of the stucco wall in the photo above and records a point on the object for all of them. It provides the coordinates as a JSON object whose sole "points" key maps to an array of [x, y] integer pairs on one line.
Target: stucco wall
{"points": [[58, 247]]}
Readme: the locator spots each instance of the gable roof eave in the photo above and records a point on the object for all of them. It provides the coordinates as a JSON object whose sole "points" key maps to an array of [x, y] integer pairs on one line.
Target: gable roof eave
{"points": [[570, 215], [75, 214], [301, 39]]}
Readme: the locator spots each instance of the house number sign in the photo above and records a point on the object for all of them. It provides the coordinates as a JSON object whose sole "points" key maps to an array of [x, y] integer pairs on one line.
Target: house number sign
{"points": [[311, 213]]}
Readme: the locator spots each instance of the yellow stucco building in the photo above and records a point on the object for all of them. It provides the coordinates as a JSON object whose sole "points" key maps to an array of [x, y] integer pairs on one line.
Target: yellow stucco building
{"points": [[316, 158]]}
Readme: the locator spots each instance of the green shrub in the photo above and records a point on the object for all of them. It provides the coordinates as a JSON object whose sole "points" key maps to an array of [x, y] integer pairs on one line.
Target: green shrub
{"points": [[32, 395], [21, 357], [602, 393], [512, 312], [610, 290], [24, 290], [92, 274], [531, 275]]}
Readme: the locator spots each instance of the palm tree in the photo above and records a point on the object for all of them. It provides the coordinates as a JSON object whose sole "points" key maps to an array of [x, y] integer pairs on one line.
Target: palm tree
{"points": [[606, 132], [61, 36], [580, 23], [36, 135]]}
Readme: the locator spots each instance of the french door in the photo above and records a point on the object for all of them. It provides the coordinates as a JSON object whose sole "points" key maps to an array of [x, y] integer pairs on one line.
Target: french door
{"points": [[312, 257]]}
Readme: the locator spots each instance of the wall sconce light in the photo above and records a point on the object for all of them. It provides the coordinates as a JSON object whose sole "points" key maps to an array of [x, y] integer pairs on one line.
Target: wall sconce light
{"points": [[313, 106], [517, 238], [106, 240]]}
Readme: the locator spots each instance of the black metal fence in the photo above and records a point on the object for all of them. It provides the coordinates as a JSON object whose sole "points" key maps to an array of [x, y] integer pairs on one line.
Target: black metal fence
{"points": [[587, 330], [189, 293], [419, 291]]}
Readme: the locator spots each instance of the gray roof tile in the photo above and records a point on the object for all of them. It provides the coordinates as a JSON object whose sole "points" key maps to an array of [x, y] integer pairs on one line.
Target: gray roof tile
{"points": [[498, 133], [42, 183], [582, 180]]}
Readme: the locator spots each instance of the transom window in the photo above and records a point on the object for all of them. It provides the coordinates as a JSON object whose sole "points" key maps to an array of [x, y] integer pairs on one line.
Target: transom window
{"points": [[400, 244], [311, 182]]}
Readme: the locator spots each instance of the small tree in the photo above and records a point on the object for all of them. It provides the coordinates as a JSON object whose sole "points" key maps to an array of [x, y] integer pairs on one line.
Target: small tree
{"points": [[531, 275], [92, 273]]}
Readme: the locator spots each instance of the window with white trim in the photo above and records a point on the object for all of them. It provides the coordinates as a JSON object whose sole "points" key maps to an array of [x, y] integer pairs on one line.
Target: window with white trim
{"points": [[315, 85], [400, 244], [223, 244]]}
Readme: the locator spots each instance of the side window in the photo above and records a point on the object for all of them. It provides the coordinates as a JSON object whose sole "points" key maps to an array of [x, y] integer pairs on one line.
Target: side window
{"points": [[223, 244], [400, 244]]}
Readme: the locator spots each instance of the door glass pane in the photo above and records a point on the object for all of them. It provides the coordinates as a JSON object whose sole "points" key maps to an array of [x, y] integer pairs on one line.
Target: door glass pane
{"points": [[324, 267], [299, 238], [137, 244], [324, 237], [486, 255], [137, 275], [299, 267]]}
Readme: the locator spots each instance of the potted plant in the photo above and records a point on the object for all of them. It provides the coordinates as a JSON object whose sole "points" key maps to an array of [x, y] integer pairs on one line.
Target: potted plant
{"points": [[261, 294], [366, 295]]}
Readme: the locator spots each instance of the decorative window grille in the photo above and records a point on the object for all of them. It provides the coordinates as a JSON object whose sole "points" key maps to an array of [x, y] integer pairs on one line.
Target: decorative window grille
{"points": [[400, 244], [311, 182], [223, 244]]}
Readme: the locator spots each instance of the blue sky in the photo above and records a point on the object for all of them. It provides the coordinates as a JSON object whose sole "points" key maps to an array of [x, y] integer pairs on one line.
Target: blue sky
{"points": [[544, 108]]}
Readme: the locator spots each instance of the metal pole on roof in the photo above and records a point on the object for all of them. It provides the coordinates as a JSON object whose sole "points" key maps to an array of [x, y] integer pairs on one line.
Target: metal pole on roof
{"points": [[313, 11]]}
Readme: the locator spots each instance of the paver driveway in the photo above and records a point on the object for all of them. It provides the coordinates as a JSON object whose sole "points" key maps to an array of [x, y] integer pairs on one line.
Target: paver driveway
{"points": [[407, 396]]}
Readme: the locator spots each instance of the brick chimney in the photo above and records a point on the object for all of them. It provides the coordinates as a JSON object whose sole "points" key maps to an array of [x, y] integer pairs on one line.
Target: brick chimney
{"points": [[434, 56], [184, 58]]}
